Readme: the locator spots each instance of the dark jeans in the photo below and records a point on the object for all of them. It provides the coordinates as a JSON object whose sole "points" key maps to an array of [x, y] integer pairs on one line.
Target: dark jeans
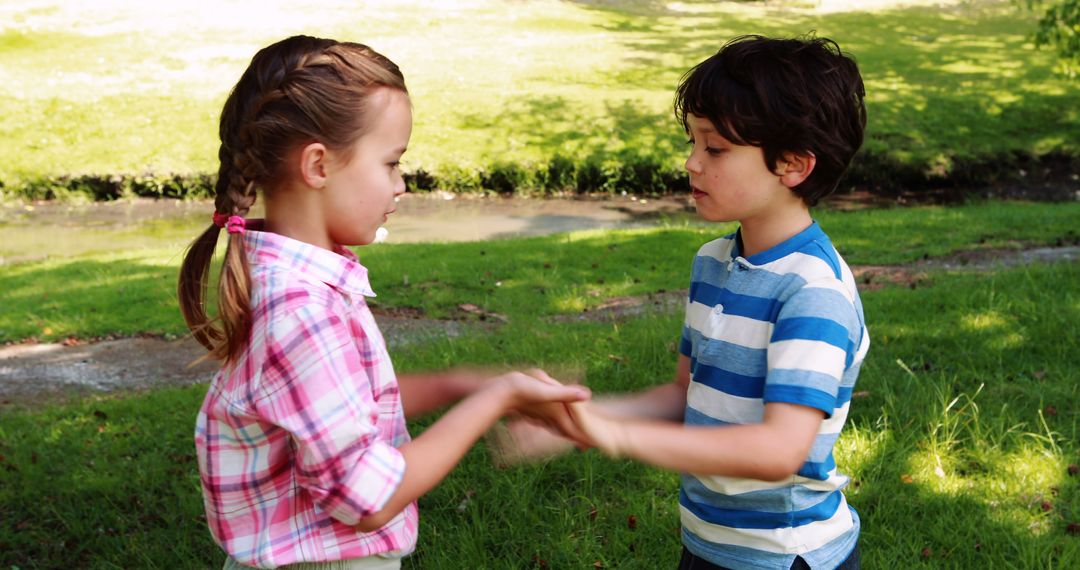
{"points": [[691, 562]]}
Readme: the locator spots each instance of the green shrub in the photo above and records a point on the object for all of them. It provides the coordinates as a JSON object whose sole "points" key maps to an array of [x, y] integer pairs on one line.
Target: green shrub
{"points": [[420, 181], [507, 178], [589, 176], [558, 176]]}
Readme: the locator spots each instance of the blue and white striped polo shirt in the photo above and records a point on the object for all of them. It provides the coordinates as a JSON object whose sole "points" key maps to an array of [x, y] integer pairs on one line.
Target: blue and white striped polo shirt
{"points": [[783, 325]]}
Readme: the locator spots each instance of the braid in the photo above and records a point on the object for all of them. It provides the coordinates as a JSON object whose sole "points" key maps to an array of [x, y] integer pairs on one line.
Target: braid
{"points": [[240, 190]]}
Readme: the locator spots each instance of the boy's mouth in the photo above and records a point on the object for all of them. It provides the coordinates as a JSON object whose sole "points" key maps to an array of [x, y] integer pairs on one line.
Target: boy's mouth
{"points": [[696, 192]]}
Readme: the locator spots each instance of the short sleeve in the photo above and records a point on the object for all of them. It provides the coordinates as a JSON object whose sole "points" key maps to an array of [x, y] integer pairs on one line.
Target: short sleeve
{"points": [[686, 345], [316, 386], [813, 342]]}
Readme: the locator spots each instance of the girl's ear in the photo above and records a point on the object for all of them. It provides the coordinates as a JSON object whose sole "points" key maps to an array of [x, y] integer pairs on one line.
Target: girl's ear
{"points": [[794, 168], [313, 159]]}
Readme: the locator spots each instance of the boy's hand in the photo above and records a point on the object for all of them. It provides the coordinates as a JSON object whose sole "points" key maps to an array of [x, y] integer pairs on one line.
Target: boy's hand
{"points": [[592, 427], [603, 431], [521, 441]]}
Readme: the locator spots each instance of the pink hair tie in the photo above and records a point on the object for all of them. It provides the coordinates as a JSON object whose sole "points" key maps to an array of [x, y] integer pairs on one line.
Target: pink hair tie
{"points": [[232, 224]]}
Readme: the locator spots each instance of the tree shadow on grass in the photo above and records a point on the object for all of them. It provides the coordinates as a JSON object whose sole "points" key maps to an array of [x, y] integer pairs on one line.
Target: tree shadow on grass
{"points": [[953, 94], [554, 125]]}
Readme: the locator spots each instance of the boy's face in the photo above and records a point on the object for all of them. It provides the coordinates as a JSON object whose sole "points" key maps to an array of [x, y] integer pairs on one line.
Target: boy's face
{"points": [[730, 182]]}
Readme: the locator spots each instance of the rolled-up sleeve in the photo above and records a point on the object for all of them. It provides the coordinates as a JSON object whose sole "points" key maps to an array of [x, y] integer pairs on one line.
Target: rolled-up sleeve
{"points": [[318, 386]]}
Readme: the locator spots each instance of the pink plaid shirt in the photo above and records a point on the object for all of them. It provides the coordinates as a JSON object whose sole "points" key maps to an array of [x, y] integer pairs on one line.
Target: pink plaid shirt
{"points": [[298, 441]]}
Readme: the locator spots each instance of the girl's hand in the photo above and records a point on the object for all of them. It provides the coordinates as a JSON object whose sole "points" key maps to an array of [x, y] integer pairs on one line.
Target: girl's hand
{"points": [[542, 399]]}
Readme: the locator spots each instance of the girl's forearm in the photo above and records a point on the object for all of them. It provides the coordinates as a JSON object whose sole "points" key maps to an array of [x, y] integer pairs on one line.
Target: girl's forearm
{"points": [[423, 393], [435, 452]]}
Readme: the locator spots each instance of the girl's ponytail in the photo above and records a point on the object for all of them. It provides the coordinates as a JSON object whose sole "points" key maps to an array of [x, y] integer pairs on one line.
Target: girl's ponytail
{"points": [[235, 196]]}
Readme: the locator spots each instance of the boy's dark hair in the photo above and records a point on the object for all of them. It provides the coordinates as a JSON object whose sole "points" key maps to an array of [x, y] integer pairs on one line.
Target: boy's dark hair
{"points": [[783, 95]]}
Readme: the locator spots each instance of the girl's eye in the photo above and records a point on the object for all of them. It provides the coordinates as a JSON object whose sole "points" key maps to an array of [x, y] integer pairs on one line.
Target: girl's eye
{"points": [[690, 141], [395, 164]]}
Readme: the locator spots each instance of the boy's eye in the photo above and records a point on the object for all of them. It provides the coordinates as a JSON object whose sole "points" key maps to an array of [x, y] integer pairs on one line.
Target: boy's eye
{"points": [[394, 164], [711, 150]]}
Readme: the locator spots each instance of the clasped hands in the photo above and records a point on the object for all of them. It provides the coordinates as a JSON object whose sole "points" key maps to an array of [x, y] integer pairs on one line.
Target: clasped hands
{"points": [[549, 428]]}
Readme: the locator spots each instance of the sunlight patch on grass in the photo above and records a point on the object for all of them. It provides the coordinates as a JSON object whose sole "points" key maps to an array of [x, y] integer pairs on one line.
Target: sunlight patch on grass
{"points": [[860, 445], [985, 320], [1007, 341]]}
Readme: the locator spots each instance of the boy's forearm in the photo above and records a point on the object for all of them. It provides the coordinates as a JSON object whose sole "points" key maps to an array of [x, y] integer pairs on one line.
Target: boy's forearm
{"points": [[664, 402], [770, 451], [734, 451]]}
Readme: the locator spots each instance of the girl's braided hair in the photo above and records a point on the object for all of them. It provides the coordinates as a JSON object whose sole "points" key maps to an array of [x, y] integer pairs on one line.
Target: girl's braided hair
{"points": [[294, 92]]}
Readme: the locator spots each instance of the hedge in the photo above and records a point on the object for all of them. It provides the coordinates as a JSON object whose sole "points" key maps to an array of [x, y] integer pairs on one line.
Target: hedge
{"points": [[629, 172]]}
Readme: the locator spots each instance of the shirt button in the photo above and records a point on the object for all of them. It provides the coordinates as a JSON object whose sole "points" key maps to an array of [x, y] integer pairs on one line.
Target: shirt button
{"points": [[718, 309]]}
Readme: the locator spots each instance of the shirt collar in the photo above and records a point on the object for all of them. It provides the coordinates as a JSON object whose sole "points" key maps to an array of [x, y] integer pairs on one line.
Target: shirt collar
{"points": [[782, 249], [340, 269]]}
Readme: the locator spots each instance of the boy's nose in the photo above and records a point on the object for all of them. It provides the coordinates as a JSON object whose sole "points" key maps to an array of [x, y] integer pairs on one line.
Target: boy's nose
{"points": [[692, 165]]}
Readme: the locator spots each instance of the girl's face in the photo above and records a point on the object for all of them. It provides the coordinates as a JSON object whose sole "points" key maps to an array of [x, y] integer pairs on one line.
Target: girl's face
{"points": [[360, 190]]}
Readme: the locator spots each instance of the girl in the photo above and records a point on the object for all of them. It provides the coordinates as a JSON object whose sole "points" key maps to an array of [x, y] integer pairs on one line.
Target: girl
{"points": [[302, 446]]}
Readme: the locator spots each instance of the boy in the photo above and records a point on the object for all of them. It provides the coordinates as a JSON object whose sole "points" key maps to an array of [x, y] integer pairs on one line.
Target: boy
{"points": [[774, 333]]}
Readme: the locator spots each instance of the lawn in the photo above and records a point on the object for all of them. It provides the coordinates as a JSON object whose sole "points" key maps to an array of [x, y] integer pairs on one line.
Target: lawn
{"points": [[959, 445], [133, 290], [955, 91]]}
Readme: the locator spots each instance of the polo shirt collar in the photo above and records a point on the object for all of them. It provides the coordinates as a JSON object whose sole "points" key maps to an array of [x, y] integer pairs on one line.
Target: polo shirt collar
{"points": [[340, 269], [782, 249]]}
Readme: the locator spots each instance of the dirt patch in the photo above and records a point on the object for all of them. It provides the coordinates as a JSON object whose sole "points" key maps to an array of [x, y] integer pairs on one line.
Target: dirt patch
{"points": [[620, 308], [32, 374], [871, 277]]}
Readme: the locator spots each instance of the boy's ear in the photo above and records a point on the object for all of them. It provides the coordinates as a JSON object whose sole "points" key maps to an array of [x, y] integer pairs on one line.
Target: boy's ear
{"points": [[794, 168], [313, 160]]}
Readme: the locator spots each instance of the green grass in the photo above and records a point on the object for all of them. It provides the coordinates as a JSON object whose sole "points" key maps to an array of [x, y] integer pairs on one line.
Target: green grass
{"points": [[120, 92], [100, 293], [959, 378]]}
